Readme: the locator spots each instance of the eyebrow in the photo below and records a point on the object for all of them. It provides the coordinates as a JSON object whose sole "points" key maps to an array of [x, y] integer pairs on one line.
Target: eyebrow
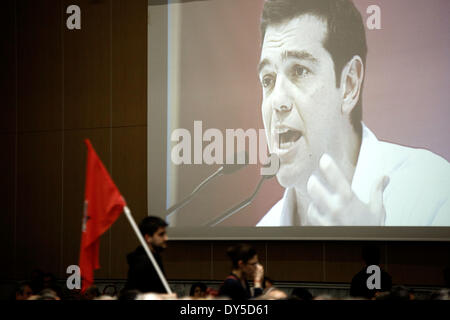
{"points": [[300, 55], [262, 65]]}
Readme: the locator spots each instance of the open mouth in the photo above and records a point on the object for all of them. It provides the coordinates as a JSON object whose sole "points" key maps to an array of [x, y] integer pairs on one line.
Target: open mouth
{"points": [[288, 137]]}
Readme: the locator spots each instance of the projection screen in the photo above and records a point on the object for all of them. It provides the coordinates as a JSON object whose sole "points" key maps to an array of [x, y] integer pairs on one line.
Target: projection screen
{"points": [[329, 122]]}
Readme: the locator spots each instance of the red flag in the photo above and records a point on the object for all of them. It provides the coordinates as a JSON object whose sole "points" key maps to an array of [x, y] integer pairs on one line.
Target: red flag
{"points": [[103, 204]]}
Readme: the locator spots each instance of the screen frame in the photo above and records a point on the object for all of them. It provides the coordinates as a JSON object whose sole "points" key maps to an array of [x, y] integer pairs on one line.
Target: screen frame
{"points": [[158, 124], [357, 233]]}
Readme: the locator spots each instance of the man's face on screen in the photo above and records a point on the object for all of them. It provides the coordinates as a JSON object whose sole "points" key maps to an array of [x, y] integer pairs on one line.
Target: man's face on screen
{"points": [[301, 104]]}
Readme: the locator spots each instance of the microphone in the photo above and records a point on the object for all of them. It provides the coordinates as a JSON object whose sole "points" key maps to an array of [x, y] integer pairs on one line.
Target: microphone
{"points": [[227, 214], [235, 165], [231, 166]]}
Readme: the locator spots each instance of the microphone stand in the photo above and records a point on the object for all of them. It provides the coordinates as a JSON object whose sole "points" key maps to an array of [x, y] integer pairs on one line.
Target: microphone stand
{"points": [[230, 167], [214, 222], [173, 209]]}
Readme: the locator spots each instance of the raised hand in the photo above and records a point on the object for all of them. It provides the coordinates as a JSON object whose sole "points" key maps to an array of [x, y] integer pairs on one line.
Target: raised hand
{"points": [[335, 204]]}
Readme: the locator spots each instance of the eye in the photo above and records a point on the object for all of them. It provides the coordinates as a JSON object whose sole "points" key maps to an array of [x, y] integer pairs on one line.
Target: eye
{"points": [[300, 71], [267, 81]]}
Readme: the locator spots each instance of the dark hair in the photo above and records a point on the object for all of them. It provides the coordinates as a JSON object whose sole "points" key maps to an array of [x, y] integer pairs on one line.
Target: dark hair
{"points": [[201, 285], [301, 294], [47, 294], [106, 289], [20, 287], [239, 252], [345, 38], [149, 225], [92, 292], [371, 255], [128, 295]]}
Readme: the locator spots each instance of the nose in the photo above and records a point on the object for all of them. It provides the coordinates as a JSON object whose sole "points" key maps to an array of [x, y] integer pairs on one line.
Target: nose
{"points": [[281, 101], [283, 107]]}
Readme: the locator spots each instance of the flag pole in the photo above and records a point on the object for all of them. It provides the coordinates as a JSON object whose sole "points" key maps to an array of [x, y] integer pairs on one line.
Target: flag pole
{"points": [[147, 250]]}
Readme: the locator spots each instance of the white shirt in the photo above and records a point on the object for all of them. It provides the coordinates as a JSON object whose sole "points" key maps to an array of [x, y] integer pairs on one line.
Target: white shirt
{"points": [[417, 194]]}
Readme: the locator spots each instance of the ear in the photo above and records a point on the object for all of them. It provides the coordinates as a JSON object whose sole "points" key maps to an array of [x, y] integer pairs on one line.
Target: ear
{"points": [[147, 238], [351, 82]]}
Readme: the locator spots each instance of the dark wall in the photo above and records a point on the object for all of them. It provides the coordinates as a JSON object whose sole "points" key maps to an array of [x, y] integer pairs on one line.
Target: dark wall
{"points": [[60, 87]]}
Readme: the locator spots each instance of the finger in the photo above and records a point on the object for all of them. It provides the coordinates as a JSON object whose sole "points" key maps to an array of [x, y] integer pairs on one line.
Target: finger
{"points": [[323, 199], [334, 177], [315, 218], [380, 185]]}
